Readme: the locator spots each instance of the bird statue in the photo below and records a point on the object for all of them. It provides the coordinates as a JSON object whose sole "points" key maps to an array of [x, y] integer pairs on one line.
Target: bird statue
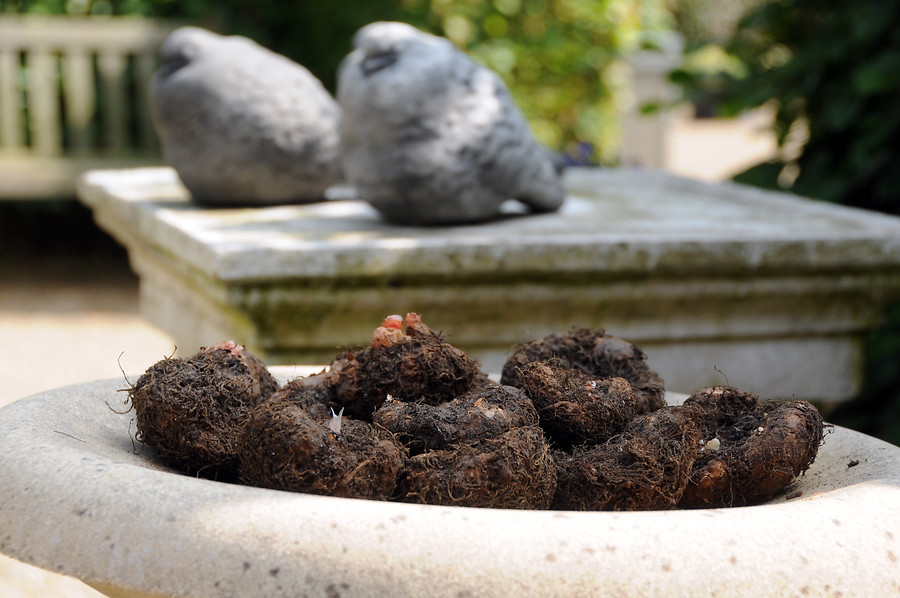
{"points": [[430, 137], [241, 124]]}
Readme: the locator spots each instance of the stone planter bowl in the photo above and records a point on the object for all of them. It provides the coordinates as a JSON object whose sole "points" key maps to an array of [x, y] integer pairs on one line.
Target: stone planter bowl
{"points": [[79, 497]]}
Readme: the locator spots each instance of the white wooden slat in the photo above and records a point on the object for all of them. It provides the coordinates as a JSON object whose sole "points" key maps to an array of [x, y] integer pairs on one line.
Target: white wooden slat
{"points": [[111, 66], [80, 100], [43, 103], [123, 34], [47, 64], [10, 101]]}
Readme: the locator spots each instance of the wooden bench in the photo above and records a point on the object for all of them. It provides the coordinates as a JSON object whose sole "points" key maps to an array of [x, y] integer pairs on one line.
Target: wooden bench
{"points": [[73, 97]]}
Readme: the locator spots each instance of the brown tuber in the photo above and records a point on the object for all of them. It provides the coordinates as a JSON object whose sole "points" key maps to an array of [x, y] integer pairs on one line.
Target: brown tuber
{"points": [[482, 449], [645, 467], [574, 407], [481, 413], [419, 365], [315, 394], [761, 448], [514, 470], [285, 448], [191, 410], [597, 354]]}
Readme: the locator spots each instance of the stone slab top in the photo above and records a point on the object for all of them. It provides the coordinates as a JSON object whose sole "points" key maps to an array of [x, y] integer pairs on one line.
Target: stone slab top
{"points": [[79, 496], [614, 222]]}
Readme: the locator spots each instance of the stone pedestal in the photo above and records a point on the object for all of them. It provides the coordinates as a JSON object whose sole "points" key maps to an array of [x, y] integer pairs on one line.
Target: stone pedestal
{"points": [[718, 283]]}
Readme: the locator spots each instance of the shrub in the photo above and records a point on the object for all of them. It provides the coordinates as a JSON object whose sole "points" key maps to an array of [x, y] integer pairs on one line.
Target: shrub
{"points": [[833, 71]]}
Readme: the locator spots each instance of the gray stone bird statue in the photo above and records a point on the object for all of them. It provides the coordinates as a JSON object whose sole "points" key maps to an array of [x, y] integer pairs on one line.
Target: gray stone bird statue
{"points": [[430, 137], [241, 124]]}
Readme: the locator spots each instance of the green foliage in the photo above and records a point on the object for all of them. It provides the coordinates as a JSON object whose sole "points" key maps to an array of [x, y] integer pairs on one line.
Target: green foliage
{"points": [[705, 26], [833, 70], [562, 59]]}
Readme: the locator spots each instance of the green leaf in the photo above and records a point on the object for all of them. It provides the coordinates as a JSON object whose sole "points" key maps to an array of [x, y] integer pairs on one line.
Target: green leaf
{"points": [[880, 75], [763, 175]]}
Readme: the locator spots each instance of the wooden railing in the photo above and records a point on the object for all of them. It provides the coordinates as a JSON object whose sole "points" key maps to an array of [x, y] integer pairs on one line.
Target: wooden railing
{"points": [[73, 97]]}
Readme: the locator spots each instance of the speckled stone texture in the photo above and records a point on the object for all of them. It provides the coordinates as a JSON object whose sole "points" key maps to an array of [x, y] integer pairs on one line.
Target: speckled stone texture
{"points": [[77, 496], [241, 124], [430, 137]]}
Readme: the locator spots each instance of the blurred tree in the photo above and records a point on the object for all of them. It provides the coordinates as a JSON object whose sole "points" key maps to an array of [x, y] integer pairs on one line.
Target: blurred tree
{"points": [[703, 22], [706, 26], [833, 72], [562, 59]]}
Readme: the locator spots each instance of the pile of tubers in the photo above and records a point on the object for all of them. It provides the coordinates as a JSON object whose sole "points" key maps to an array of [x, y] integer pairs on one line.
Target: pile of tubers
{"points": [[578, 422]]}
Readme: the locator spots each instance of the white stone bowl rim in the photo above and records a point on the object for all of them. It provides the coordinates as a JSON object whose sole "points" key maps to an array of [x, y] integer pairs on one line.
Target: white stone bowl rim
{"points": [[79, 498]]}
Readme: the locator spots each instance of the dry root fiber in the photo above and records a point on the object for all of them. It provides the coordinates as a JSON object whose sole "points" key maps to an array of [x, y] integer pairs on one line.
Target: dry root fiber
{"points": [[646, 467], [191, 410], [285, 448], [417, 366], [597, 354], [512, 471], [750, 450], [574, 407], [480, 414]]}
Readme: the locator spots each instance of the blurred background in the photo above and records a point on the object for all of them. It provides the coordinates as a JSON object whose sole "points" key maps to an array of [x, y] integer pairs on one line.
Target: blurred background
{"points": [[797, 95]]}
